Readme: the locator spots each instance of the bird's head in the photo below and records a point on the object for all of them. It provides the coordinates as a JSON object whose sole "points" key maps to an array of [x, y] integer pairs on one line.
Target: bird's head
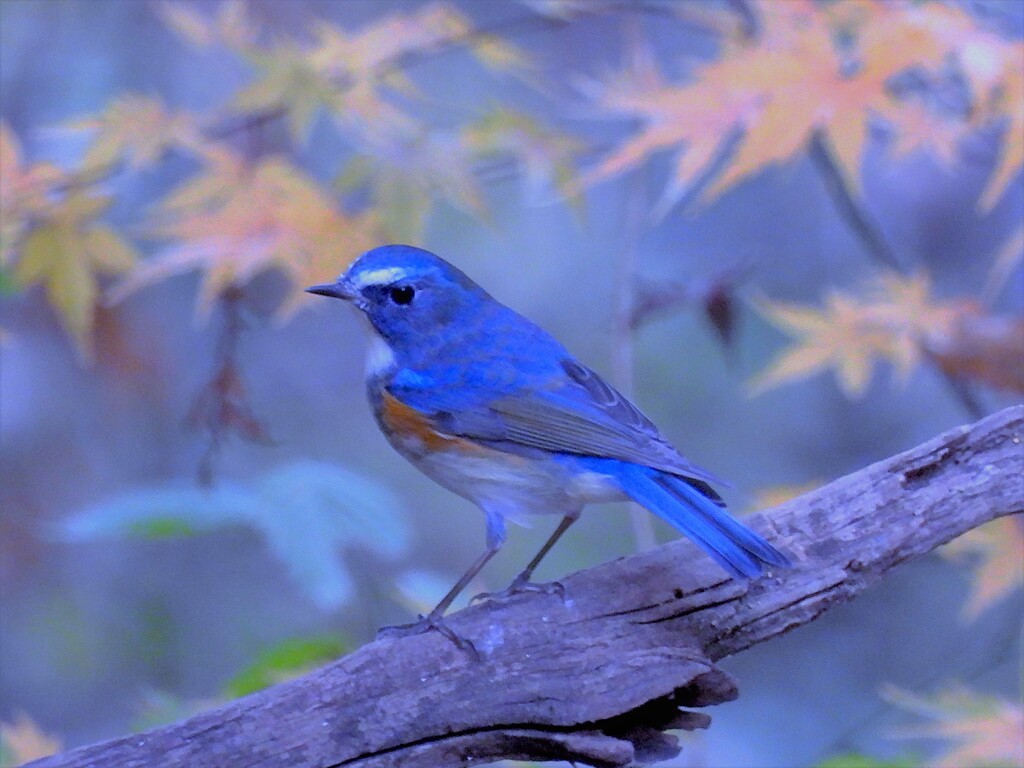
{"points": [[408, 294]]}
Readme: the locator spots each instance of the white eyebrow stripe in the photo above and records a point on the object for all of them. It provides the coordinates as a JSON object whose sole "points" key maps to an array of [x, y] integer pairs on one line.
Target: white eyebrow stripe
{"points": [[378, 277]]}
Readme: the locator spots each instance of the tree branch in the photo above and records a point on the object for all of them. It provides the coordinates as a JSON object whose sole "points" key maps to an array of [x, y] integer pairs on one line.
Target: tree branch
{"points": [[599, 678]]}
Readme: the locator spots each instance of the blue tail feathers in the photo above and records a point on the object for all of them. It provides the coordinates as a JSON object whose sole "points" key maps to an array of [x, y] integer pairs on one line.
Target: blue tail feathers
{"points": [[732, 545]]}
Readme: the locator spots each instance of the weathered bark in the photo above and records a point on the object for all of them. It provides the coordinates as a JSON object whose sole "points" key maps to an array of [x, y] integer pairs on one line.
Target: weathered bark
{"points": [[599, 678]]}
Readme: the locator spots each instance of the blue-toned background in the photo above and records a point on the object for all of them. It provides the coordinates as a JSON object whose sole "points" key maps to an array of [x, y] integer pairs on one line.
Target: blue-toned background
{"points": [[101, 632]]}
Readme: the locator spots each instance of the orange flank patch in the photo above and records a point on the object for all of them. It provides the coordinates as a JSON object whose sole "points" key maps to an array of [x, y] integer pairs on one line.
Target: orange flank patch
{"points": [[405, 422]]}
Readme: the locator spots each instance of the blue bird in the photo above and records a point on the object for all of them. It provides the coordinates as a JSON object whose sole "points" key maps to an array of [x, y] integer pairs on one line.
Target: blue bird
{"points": [[490, 406]]}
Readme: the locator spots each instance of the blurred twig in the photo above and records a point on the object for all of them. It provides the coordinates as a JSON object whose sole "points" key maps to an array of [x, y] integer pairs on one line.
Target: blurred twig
{"points": [[221, 407], [849, 207]]}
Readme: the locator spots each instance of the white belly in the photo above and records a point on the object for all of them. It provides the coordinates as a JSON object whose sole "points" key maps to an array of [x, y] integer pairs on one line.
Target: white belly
{"points": [[517, 487]]}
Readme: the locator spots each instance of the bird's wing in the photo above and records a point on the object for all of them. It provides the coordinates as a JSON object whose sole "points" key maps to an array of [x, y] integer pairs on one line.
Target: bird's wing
{"points": [[576, 412]]}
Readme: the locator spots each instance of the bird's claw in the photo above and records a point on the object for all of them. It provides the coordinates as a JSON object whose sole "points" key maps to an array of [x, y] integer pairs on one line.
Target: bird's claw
{"points": [[522, 584], [429, 623]]}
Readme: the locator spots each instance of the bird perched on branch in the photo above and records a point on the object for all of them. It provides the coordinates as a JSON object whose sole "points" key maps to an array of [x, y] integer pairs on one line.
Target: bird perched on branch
{"points": [[494, 409]]}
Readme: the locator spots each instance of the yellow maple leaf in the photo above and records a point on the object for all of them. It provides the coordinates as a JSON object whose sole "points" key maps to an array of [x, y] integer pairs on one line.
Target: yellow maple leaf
{"points": [[26, 741], [360, 55], [350, 73], [364, 62], [25, 192], [895, 319], [835, 337], [138, 129], [996, 552], [66, 254], [237, 219], [287, 80], [983, 731]]}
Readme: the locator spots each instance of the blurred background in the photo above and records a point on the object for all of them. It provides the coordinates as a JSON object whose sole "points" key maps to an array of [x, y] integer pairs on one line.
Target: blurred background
{"points": [[792, 230]]}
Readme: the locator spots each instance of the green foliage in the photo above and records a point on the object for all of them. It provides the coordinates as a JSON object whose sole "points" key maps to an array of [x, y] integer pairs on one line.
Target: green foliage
{"points": [[307, 512], [161, 528], [854, 760], [289, 658], [8, 285]]}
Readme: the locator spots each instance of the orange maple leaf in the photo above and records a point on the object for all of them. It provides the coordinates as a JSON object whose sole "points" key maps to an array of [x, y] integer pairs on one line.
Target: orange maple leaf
{"points": [[996, 552], [813, 70], [895, 319], [237, 219], [918, 128], [26, 740], [983, 731]]}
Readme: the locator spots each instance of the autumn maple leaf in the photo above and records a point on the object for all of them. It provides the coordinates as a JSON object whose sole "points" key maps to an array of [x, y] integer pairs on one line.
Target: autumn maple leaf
{"points": [[404, 181], [237, 219], [137, 129], [813, 70], [545, 157], [983, 732], [996, 553], [67, 254], [1007, 105], [230, 25], [25, 192], [895, 319], [406, 176], [25, 740], [349, 73]]}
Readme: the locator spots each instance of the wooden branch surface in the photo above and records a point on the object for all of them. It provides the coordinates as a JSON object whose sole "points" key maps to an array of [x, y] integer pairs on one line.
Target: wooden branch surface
{"points": [[599, 678]]}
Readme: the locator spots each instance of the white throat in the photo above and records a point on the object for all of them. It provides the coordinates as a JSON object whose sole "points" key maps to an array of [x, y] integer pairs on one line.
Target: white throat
{"points": [[380, 358]]}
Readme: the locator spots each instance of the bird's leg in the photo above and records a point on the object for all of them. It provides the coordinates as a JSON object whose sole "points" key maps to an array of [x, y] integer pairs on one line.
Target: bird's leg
{"points": [[435, 619], [522, 583]]}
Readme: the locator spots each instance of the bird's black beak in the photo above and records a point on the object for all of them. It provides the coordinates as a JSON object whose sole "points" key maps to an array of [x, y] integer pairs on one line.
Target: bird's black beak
{"points": [[336, 290]]}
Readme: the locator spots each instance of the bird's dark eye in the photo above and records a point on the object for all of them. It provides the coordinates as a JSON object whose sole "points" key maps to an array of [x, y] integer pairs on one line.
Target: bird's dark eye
{"points": [[402, 294]]}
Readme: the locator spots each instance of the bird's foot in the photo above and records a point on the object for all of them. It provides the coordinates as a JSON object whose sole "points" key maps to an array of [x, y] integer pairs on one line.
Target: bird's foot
{"points": [[429, 623], [520, 584]]}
